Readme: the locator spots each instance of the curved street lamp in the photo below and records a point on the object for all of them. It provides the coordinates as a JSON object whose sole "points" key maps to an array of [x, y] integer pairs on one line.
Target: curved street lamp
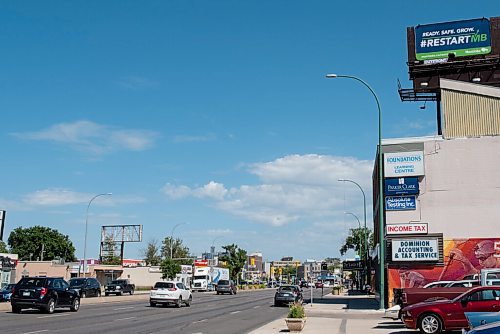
{"points": [[86, 228], [172, 238], [352, 214], [380, 190]]}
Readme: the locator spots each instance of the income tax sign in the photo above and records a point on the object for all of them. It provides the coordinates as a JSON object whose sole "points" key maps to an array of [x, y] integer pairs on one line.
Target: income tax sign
{"points": [[413, 228]]}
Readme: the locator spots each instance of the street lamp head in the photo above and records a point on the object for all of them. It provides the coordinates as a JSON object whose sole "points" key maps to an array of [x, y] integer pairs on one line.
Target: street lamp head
{"points": [[331, 75]]}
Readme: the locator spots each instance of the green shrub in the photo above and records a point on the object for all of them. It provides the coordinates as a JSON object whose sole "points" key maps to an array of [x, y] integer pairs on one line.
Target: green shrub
{"points": [[296, 311]]}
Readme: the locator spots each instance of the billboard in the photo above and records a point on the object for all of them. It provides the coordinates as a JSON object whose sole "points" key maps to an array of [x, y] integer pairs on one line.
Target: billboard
{"points": [[415, 249], [460, 38], [402, 164], [401, 186], [400, 203]]}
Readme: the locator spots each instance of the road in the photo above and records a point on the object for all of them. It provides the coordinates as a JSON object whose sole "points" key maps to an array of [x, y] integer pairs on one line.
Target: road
{"points": [[209, 313]]}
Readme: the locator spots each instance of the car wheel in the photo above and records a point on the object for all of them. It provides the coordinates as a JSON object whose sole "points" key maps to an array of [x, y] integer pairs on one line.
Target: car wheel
{"points": [[179, 302], [188, 302], [51, 306], [131, 292], [16, 309], [430, 324], [120, 293], [152, 304], [231, 292], [76, 305], [276, 304]]}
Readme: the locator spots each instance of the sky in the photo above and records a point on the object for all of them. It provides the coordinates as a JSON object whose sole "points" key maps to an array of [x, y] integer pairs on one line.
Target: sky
{"points": [[211, 120]]}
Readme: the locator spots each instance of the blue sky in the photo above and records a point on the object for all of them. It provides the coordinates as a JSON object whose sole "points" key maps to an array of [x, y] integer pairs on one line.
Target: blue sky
{"points": [[212, 113]]}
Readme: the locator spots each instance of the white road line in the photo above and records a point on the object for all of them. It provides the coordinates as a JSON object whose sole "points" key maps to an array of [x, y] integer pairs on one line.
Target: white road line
{"points": [[234, 312], [256, 306], [203, 320], [124, 319], [41, 331], [53, 316], [123, 308]]}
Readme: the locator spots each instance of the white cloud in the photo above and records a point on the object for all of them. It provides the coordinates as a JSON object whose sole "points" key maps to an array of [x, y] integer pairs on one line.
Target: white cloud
{"points": [[94, 138], [295, 188]]}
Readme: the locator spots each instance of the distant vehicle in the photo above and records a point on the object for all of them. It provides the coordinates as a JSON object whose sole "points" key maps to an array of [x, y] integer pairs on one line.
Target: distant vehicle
{"points": [[318, 284], [287, 294], [435, 317], [86, 287], [463, 283], [44, 293], [493, 328], [437, 284], [6, 292], [226, 286], [476, 319], [206, 278], [119, 287], [170, 293]]}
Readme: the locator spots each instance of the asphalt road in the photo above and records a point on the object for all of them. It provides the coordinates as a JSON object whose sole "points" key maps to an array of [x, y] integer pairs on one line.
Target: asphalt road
{"points": [[209, 313]]}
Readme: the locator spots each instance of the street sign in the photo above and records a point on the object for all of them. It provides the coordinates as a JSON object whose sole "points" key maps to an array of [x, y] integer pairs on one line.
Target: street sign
{"points": [[352, 265], [413, 228], [400, 203]]}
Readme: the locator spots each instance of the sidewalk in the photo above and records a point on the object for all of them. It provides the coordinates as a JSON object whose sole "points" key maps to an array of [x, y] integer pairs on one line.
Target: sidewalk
{"points": [[329, 314]]}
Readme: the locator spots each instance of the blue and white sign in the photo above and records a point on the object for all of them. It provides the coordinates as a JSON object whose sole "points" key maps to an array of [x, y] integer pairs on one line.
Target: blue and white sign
{"points": [[401, 186], [400, 203], [402, 164]]}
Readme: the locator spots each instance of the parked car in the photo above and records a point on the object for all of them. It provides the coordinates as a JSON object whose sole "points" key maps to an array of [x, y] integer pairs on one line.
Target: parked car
{"points": [[434, 317], [226, 286], [318, 285], [119, 287], [476, 319], [437, 284], [44, 293], [170, 293], [463, 283], [287, 294], [86, 287], [6, 292]]}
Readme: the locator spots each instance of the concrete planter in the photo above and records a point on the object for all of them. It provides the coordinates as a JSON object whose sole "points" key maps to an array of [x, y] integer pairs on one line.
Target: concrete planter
{"points": [[295, 324]]}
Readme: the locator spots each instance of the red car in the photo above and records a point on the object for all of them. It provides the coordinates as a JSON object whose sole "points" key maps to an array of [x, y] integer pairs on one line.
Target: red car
{"points": [[437, 316]]}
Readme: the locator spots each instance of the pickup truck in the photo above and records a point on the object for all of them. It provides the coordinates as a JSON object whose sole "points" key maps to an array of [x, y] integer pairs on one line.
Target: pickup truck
{"points": [[119, 287]]}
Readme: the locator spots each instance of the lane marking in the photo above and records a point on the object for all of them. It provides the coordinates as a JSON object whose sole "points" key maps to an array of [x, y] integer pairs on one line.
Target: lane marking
{"points": [[53, 316], [203, 320], [256, 306], [124, 319], [40, 331], [234, 312], [123, 308]]}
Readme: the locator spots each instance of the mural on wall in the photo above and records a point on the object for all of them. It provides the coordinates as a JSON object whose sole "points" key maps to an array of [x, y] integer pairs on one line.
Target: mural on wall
{"points": [[462, 257]]}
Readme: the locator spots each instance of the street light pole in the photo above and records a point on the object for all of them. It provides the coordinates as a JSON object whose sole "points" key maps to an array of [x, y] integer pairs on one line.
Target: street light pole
{"points": [[352, 214], [86, 229], [365, 232], [172, 238], [380, 188]]}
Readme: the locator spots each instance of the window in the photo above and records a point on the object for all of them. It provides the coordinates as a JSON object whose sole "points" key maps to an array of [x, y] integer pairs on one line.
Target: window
{"points": [[163, 285], [64, 284], [57, 284], [180, 286], [490, 294]]}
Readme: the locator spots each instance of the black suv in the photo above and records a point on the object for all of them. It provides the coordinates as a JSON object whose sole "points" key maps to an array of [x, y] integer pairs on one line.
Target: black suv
{"points": [[44, 293], [86, 287], [226, 286]]}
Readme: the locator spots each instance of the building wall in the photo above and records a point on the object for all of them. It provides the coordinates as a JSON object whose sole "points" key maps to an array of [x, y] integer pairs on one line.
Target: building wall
{"points": [[142, 276], [43, 268]]}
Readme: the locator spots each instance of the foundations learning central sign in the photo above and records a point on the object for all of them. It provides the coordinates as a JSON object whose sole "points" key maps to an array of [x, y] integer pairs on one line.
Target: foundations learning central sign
{"points": [[402, 164]]}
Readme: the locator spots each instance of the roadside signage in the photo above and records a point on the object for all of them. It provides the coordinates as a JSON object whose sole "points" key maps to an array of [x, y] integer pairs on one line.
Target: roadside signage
{"points": [[352, 265], [460, 38], [201, 263], [413, 228], [401, 186], [400, 203], [403, 164], [415, 249]]}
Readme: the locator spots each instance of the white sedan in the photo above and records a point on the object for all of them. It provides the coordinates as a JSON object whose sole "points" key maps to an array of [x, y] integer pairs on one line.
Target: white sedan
{"points": [[170, 293]]}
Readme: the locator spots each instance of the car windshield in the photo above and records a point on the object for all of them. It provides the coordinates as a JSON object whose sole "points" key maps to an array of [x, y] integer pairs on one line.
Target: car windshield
{"points": [[223, 282], [164, 285], [76, 282], [201, 277], [286, 288]]}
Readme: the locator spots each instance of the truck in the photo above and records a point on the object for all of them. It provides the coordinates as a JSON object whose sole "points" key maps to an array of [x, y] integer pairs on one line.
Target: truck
{"points": [[205, 278], [119, 287]]}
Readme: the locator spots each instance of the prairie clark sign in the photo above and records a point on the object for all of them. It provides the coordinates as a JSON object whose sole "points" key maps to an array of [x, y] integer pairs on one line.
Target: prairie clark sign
{"points": [[418, 228]]}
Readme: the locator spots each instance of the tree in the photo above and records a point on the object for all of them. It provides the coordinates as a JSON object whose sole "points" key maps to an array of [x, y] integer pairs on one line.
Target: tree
{"points": [[356, 241], [29, 243], [152, 253], [108, 255], [169, 268], [179, 251], [235, 259], [3, 247]]}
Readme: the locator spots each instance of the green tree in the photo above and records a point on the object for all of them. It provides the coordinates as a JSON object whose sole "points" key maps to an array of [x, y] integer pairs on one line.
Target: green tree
{"points": [[179, 251], [29, 243], [235, 259], [151, 254], [169, 268], [3, 247], [356, 241], [108, 255]]}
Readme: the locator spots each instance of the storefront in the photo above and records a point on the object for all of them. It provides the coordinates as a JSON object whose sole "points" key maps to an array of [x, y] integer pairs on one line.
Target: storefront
{"points": [[7, 269]]}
